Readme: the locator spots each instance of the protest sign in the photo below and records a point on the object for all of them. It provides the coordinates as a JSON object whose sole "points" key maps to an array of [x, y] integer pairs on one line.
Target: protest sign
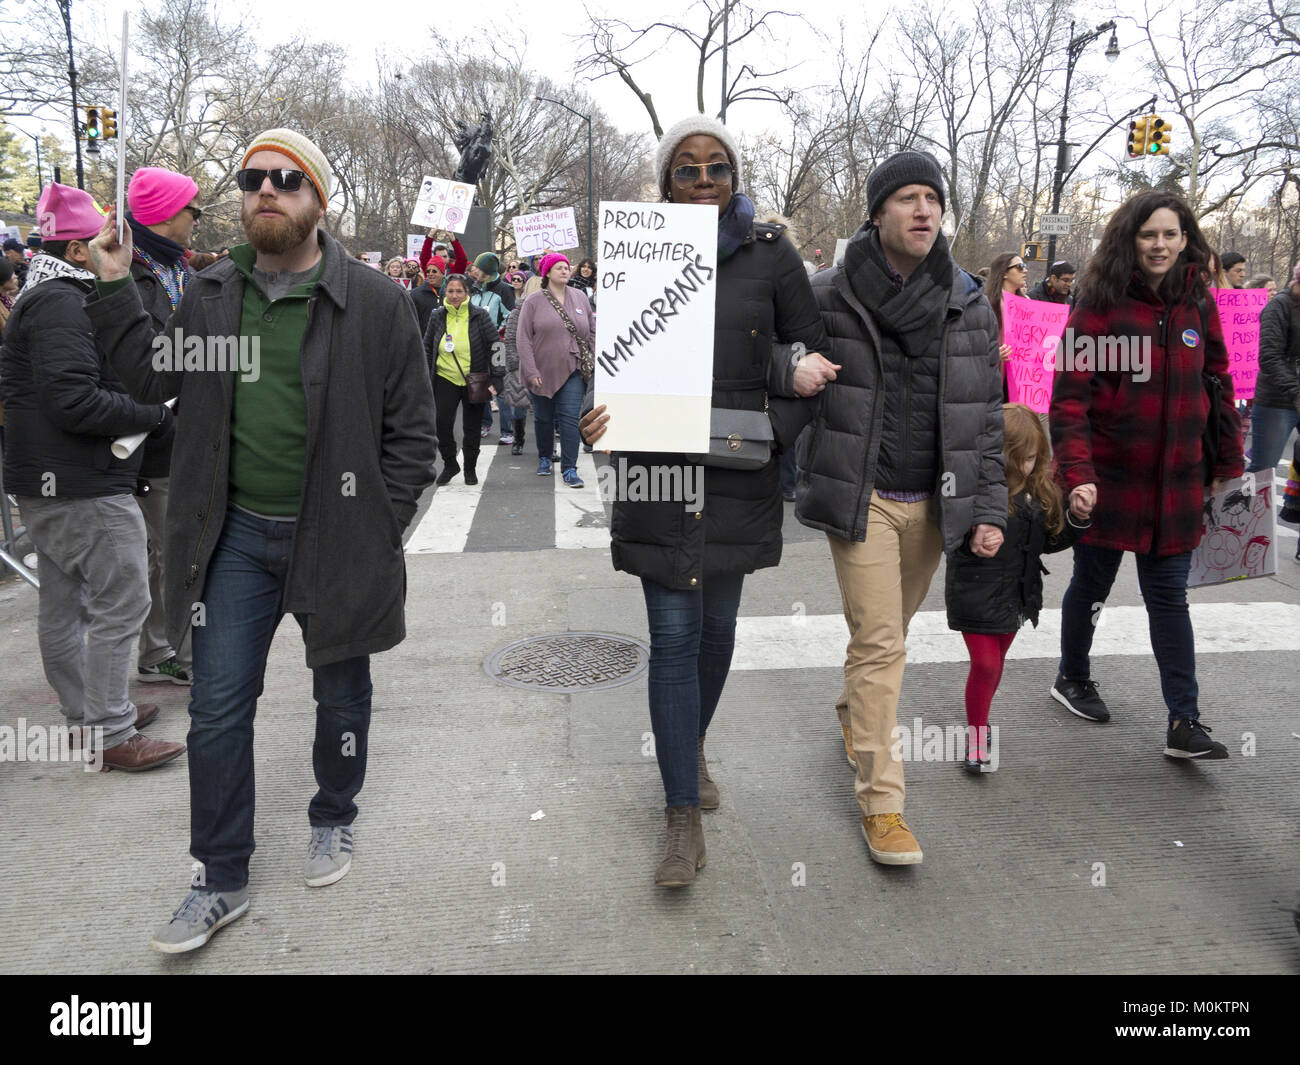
{"points": [[1239, 314], [535, 233], [1239, 538], [654, 336], [840, 246], [414, 242], [1032, 330], [442, 204], [372, 258]]}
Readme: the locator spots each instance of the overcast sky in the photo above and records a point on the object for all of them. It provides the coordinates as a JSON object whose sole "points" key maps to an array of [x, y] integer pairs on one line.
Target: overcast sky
{"points": [[544, 30]]}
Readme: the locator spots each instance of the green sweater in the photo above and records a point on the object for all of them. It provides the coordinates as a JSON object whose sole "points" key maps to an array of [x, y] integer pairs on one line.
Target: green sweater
{"points": [[268, 418]]}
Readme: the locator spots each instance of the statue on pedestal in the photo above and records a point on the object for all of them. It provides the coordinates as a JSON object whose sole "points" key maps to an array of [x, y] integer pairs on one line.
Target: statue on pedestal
{"points": [[475, 144]]}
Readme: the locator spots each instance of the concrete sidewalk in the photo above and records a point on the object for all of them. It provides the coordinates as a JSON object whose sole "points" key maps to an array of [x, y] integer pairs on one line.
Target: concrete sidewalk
{"points": [[1201, 862]]}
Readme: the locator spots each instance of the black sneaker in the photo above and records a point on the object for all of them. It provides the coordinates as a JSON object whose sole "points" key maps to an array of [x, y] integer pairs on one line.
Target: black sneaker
{"points": [[1080, 698], [1188, 738]]}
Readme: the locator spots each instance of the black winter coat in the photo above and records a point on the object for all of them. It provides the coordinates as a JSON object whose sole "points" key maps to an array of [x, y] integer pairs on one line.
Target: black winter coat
{"points": [[64, 404], [838, 454], [991, 595], [483, 336], [763, 304], [157, 447], [1279, 352]]}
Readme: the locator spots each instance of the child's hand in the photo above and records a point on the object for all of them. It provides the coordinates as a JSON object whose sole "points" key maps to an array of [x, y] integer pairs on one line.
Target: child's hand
{"points": [[1082, 500], [985, 540]]}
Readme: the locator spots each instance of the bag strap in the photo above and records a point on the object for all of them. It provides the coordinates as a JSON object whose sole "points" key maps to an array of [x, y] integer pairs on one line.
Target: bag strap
{"points": [[568, 322]]}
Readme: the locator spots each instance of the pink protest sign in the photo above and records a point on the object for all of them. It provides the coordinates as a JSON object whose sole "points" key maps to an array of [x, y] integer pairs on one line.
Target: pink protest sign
{"points": [[1031, 329], [1239, 313]]}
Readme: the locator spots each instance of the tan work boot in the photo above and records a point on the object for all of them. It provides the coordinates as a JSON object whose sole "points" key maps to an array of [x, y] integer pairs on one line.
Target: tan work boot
{"points": [[890, 841], [848, 744], [709, 798], [684, 849]]}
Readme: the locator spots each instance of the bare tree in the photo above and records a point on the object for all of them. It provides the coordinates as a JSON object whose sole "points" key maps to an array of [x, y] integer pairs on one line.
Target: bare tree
{"points": [[615, 46]]}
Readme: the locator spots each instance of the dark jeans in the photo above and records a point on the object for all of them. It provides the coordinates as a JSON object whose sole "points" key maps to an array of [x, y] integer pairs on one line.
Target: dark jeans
{"points": [[560, 410], [1270, 428], [447, 397], [692, 635], [242, 600], [1163, 582]]}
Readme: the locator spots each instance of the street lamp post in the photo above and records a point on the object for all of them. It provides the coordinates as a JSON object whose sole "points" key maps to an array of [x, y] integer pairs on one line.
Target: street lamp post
{"points": [[591, 232], [65, 9], [1075, 49], [40, 179]]}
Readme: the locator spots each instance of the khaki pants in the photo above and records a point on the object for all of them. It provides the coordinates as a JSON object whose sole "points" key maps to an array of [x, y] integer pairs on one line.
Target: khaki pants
{"points": [[882, 583]]}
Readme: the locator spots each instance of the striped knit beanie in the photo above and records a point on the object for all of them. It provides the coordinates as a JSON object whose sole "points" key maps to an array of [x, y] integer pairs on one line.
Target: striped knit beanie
{"points": [[310, 159]]}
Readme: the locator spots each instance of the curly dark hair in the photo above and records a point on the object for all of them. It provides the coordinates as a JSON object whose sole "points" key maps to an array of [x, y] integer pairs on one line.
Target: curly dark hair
{"points": [[1106, 277]]}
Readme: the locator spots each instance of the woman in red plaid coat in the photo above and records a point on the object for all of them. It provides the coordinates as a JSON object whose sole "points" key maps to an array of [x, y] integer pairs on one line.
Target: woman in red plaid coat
{"points": [[1128, 411]]}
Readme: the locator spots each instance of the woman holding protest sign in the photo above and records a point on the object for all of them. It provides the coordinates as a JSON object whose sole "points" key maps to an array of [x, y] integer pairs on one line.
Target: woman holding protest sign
{"points": [[1128, 439], [458, 344], [692, 563], [556, 329]]}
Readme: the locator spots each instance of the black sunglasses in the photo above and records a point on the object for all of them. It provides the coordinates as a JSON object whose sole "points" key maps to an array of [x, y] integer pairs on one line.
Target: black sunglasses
{"points": [[689, 173], [197, 212], [281, 180]]}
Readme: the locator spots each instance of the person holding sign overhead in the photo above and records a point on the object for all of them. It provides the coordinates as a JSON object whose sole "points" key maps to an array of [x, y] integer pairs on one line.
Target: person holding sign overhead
{"points": [[692, 563], [1130, 445]]}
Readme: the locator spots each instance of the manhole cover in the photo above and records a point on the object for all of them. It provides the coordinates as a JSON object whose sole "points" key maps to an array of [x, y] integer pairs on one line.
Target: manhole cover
{"points": [[569, 662]]}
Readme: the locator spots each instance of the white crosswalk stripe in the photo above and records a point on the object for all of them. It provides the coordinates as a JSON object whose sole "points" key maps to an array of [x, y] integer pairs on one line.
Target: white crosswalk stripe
{"points": [[577, 508], [794, 641], [446, 525]]}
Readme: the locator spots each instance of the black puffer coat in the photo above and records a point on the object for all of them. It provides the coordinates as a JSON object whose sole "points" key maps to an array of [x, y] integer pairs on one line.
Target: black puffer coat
{"points": [[64, 404], [763, 302], [839, 453], [991, 595], [1279, 352], [483, 338]]}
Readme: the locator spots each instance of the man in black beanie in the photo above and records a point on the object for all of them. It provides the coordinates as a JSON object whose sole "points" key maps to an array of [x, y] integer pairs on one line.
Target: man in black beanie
{"points": [[903, 461], [1057, 285]]}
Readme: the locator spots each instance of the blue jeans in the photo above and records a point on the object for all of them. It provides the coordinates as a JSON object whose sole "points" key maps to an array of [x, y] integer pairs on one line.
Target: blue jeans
{"points": [[692, 635], [242, 600], [1269, 429], [560, 410], [1163, 582], [509, 414]]}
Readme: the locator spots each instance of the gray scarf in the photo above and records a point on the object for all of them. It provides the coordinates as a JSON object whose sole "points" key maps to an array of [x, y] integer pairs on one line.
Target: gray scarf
{"points": [[913, 313]]}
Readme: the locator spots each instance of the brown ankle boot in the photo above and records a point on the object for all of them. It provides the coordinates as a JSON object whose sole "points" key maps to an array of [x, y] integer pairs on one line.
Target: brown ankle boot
{"points": [[709, 798], [684, 849]]}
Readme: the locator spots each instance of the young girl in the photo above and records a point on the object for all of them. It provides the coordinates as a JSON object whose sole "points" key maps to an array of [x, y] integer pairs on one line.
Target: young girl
{"points": [[988, 599]]}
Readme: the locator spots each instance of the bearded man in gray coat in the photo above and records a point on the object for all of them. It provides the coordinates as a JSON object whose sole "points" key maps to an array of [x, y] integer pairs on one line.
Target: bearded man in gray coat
{"points": [[306, 440], [903, 459]]}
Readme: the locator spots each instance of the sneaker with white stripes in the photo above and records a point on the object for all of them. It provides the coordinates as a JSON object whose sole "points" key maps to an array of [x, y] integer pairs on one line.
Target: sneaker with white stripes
{"points": [[329, 855], [196, 919]]}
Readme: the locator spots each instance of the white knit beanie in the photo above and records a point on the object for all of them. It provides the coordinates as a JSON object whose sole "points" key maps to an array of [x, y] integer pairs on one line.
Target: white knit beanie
{"points": [[690, 127], [302, 151]]}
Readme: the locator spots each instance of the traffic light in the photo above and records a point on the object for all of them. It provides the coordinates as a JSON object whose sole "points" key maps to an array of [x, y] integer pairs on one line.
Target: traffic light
{"points": [[1138, 131], [1034, 252], [94, 131], [1158, 138], [108, 118]]}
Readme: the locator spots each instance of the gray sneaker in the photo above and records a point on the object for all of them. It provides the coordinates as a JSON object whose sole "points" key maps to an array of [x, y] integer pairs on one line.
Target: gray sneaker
{"points": [[329, 855], [198, 917]]}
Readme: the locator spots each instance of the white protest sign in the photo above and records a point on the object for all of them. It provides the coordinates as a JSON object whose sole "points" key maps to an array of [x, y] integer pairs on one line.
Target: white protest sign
{"points": [[654, 335], [1240, 533], [535, 233], [442, 204], [414, 242], [840, 246], [372, 257]]}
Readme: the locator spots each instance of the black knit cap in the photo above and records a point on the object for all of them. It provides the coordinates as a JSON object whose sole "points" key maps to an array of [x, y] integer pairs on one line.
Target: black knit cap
{"points": [[905, 168]]}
